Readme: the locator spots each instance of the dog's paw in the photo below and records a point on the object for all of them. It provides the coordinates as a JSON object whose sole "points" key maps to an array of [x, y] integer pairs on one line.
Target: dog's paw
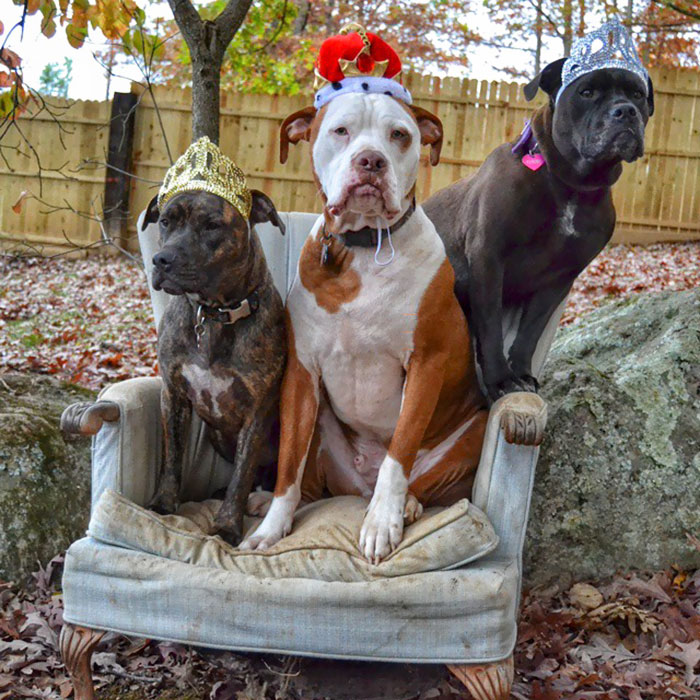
{"points": [[528, 383], [509, 385], [266, 536], [382, 528], [166, 500], [276, 525], [259, 503], [230, 528], [412, 510]]}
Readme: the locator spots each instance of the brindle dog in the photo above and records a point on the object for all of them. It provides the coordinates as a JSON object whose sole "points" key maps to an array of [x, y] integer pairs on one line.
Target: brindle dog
{"points": [[221, 343]]}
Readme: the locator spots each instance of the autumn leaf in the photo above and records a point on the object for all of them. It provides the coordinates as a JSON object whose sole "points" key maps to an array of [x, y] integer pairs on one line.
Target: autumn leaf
{"points": [[17, 206], [585, 596], [10, 58]]}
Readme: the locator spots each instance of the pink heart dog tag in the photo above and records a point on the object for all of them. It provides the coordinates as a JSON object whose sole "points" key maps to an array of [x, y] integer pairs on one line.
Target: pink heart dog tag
{"points": [[534, 162]]}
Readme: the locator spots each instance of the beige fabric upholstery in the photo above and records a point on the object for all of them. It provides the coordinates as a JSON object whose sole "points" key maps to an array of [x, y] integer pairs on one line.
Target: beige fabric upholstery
{"points": [[322, 545]]}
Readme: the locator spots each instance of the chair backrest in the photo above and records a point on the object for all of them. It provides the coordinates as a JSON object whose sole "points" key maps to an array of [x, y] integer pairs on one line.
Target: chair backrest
{"points": [[282, 254]]}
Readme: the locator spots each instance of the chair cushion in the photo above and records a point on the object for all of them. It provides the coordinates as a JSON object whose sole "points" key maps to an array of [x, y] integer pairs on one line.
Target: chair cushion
{"points": [[322, 545]]}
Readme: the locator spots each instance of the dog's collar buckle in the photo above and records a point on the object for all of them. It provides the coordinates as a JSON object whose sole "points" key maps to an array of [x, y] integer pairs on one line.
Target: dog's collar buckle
{"points": [[226, 316]]}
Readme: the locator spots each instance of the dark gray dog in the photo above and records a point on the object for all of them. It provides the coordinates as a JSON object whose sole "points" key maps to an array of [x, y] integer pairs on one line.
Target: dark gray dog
{"points": [[517, 237], [222, 340]]}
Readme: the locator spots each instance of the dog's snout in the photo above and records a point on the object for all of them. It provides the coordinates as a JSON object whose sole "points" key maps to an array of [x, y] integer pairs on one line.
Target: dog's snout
{"points": [[164, 260], [624, 112], [370, 161]]}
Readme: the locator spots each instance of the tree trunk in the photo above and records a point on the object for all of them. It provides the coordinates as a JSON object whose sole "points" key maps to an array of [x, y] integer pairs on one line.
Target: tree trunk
{"points": [[207, 42], [568, 26], [206, 81]]}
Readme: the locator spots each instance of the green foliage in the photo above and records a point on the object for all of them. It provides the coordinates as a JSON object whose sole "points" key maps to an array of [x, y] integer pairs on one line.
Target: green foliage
{"points": [[55, 80], [264, 56]]}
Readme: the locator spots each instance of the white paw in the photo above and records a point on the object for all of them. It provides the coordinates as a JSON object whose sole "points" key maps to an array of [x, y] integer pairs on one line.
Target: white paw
{"points": [[382, 528], [276, 525], [412, 510], [258, 503], [265, 537]]}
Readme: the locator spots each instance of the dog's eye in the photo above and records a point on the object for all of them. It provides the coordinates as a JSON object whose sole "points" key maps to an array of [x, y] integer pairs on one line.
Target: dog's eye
{"points": [[210, 225], [586, 92], [637, 94], [398, 134], [164, 223], [341, 131]]}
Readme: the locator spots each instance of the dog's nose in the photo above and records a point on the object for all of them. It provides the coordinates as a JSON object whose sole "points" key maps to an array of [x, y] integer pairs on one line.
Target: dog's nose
{"points": [[164, 260], [623, 112], [370, 161]]}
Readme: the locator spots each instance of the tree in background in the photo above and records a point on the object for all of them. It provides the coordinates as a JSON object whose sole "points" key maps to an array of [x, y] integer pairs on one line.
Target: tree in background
{"points": [[55, 80], [664, 33], [669, 33], [275, 47]]}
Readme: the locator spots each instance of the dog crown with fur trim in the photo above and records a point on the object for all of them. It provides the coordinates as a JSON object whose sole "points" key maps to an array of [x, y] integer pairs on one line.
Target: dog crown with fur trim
{"points": [[204, 168], [357, 61], [609, 46]]}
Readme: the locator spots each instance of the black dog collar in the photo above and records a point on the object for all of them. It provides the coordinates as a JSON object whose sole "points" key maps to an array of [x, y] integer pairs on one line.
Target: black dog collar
{"points": [[367, 237], [227, 315]]}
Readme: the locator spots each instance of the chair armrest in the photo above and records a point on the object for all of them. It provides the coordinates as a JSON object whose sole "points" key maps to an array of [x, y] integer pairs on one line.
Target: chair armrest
{"points": [[127, 454], [506, 472]]}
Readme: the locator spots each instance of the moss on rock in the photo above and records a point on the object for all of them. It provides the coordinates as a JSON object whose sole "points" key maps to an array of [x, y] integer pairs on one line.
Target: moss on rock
{"points": [[44, 480], [618, 479]]}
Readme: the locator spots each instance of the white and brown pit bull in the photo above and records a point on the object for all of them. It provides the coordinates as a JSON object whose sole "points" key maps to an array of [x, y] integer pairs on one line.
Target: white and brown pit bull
{"points": [[380, 397]]}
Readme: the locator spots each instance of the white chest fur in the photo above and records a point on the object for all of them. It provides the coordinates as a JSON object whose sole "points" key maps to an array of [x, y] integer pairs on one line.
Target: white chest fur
{"points": [[208, 389], [565, 222], [361, 351]]}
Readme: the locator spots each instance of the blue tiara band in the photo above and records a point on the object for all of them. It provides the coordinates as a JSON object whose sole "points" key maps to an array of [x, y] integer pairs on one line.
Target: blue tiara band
{"points": [[610, 46]]}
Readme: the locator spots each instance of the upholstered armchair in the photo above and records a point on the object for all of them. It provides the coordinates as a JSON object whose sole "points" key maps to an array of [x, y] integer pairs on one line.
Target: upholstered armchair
{"points": [[464, 617]]}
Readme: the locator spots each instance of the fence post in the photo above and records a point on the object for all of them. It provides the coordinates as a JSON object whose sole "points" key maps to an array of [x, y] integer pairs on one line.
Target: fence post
{"points": [[117, 177]]}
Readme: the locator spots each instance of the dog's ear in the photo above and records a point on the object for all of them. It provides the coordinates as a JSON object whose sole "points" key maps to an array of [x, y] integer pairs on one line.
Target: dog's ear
{"points": [[430, 128], [264, 210], [650, 95], [152, 213], [549, 80], [296, 127]]}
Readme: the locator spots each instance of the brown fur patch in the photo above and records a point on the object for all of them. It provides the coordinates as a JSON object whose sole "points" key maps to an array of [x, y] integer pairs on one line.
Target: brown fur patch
{"points": [[441, 386], [452, 477], [298, 409], [333, 284]]}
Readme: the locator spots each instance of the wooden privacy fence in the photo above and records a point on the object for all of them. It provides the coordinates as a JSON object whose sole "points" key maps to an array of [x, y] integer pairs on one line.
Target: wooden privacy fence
{"points": [[657, 198]]}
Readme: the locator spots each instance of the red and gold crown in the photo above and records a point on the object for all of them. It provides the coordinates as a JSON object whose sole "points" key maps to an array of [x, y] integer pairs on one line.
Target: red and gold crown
{"points": [[357, 61]]}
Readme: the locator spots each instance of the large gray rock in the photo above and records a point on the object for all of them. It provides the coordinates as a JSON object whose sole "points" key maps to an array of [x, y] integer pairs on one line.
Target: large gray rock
{"points": [[44, 481], [618, 479]]}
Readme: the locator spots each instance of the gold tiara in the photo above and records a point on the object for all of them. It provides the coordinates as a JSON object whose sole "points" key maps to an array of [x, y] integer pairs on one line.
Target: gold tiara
{"points": [[204, 168]]}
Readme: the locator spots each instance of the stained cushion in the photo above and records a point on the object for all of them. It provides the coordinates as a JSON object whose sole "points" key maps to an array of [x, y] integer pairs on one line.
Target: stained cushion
{"points": [[323, 544]]}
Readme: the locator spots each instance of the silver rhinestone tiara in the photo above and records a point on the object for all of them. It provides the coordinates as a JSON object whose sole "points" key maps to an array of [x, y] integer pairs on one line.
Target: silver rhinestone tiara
{"points": [[610, 46]]}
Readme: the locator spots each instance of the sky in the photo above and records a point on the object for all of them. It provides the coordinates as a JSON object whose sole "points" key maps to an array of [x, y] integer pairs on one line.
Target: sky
{"points": [[89, 80]]}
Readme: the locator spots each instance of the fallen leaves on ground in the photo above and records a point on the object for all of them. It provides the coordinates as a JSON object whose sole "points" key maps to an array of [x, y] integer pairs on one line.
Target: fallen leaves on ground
{"points": [[566, 650], [624, 270], [90, 322]]}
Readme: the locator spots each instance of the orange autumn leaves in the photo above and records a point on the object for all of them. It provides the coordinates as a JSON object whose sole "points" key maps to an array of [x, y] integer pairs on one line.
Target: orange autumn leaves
{"points": [[111, 17]]}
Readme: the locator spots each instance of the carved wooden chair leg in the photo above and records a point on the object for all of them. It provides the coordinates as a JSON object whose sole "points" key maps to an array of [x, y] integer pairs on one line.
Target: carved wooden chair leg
{"points": [[488, 682], [77, 645]]}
